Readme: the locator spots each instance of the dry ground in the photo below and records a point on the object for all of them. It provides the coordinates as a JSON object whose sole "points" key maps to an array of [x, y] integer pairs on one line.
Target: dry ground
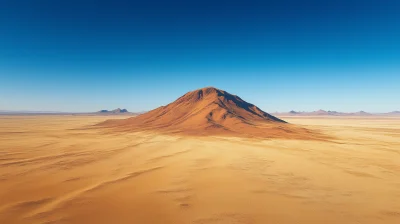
{"points": [[53, 171]]}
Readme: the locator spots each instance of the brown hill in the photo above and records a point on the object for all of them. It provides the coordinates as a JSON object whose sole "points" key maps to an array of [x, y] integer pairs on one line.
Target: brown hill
{"points": [[211, 111]]}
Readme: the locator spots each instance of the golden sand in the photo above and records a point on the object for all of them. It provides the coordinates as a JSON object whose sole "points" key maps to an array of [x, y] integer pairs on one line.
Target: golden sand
{"points": [[55, 170]]}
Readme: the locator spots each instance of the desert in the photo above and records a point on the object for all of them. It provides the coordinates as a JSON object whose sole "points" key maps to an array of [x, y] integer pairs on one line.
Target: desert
{"points": [[54, 169], [199, 112]]}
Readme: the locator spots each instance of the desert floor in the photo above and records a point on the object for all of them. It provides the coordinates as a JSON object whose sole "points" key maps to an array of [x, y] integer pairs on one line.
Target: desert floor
{"points": [[54, 170]]}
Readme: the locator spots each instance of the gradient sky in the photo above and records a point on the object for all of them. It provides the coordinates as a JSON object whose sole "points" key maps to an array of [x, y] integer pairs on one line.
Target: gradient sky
{"points": [[81, 56]]}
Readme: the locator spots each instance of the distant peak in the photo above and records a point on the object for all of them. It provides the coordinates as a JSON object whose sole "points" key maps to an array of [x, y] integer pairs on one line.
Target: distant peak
{"points": [[118, 110], [362, 112]]}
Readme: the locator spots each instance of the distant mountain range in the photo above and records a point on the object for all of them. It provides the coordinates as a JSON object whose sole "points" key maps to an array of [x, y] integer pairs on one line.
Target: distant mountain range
{"points": [[116, 111], [125, 111], [333, 113]]}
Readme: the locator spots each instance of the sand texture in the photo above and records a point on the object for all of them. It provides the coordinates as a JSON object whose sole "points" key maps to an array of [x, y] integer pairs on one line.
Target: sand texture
{"points": [[54, 170]]}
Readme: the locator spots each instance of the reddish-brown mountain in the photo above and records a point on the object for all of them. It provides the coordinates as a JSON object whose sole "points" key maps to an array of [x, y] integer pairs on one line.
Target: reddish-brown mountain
{"points": [[211, 111]]}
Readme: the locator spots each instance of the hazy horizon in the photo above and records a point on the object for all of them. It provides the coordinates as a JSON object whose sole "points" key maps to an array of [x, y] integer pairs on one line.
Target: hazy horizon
{"points": [[142, 111], [84, 56]]}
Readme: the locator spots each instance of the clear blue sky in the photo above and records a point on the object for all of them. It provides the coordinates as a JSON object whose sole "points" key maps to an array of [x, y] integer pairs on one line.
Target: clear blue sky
{"points": [[280, 55]]}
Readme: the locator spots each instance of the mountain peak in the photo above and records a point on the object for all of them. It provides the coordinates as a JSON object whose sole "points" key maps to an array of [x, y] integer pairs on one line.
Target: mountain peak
{"points": [[199, 94], [208, 89]]}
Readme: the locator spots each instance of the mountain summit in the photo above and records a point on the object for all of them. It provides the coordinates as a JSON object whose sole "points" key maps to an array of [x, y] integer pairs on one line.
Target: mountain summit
{"points": [[216, 106], [209, 111]]}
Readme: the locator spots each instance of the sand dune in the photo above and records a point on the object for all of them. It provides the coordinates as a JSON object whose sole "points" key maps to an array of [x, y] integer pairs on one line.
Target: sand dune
{"points": [[211, 111], [53, 171]]}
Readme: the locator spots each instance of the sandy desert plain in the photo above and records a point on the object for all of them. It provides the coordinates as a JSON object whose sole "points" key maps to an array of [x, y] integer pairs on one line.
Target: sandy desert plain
{"points": [[54, 170]]}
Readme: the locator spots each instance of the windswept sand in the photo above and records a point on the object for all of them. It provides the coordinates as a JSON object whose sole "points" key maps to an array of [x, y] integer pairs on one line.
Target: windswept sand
{"points": [[54, 171]]}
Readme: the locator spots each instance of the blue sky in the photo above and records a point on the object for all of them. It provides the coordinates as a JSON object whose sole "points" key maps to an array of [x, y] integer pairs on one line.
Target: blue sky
{"points": [[82, 56]]}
